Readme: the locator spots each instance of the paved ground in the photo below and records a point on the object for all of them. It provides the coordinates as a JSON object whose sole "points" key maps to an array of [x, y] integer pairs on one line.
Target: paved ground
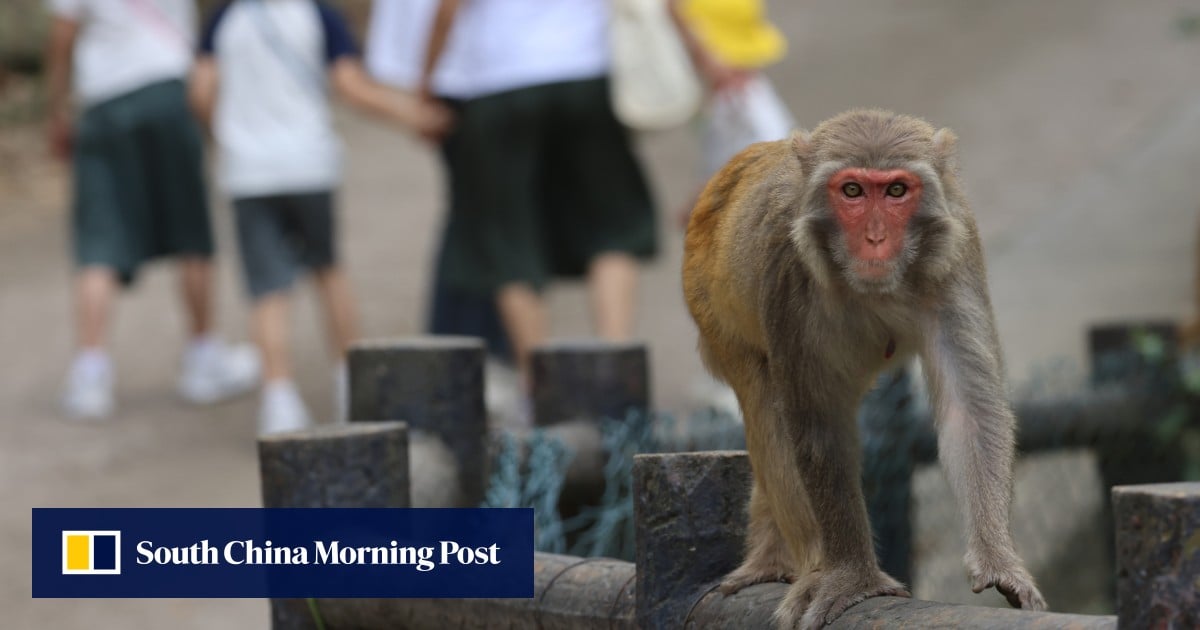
{"points": [[1079, 123]]}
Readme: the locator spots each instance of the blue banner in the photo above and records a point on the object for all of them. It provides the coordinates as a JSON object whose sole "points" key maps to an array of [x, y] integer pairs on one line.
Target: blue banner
{"points": [[232, 552]]}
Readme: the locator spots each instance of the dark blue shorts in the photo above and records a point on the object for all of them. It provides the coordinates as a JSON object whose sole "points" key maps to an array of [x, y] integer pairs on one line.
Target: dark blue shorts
{"points": [[280, 235]]}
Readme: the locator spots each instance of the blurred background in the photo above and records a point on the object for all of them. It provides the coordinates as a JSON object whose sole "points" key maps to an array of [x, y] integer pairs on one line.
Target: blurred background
{"points": [[1079, 126]]}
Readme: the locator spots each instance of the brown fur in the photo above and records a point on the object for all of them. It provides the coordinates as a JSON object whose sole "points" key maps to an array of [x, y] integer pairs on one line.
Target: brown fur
{"points": [[800, 339]]}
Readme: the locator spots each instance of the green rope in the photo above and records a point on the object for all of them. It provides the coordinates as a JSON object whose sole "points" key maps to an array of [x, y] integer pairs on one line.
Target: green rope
{"points": [[315, 612]]}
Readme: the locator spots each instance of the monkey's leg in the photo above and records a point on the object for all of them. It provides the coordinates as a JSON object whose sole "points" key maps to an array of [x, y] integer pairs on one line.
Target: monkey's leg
{"points": [[767, 556], [818, 459], [975, 443]]}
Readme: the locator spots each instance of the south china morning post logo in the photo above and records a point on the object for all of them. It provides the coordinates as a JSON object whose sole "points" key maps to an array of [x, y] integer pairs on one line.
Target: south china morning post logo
{"points": [[91, 552], [283, 553]]}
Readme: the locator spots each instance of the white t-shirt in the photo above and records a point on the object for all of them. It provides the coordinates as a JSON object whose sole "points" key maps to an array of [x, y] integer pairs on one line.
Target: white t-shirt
{"points": [[512, 44], [396, 41], [124, 45], [272, 122]]}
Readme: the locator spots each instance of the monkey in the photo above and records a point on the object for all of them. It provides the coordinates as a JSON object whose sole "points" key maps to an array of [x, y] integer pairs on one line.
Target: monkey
{"points": [[811, 264]]}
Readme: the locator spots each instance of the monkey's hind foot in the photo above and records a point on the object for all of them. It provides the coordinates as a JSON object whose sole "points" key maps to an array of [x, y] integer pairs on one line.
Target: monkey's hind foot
{"points": [[822, 596], [751, 574]]}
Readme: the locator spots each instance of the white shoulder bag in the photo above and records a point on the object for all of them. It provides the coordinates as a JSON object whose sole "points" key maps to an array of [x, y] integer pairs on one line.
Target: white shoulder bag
{"points": [[654, 85]]}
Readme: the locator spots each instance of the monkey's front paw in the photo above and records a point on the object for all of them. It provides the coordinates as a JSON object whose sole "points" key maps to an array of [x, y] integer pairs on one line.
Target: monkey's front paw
{"points": [[822, 596], [1010, 578]]}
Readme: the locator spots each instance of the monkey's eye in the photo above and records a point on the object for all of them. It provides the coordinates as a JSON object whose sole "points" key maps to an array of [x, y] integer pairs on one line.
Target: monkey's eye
{"points": [[897, 190], [851, 189]]}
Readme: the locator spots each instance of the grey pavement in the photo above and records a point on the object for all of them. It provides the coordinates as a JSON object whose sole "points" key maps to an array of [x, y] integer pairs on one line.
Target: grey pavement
{"points": [[1079, 125]]}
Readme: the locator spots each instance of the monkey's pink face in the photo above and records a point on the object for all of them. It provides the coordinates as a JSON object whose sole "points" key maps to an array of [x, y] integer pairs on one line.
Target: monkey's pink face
{"points": [[873, 208]]}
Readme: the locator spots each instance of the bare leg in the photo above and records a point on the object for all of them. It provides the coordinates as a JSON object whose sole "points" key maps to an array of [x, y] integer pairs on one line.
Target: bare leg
{"points": [[196, 285], [94, 291], [341, 313], [524, 316], [271, 335], [612, 283], [89, 387]]}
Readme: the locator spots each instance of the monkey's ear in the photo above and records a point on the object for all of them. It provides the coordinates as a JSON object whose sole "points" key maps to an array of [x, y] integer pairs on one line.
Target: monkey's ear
{"points": [[801, 141], [802, 147], [945, 149]]}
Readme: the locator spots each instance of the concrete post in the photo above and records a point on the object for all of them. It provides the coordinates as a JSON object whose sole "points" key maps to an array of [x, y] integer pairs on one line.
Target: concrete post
{"points": [[435, 385], [1136, 455], [690, 522], [340, 466], [589, 379], [1158, 555]]}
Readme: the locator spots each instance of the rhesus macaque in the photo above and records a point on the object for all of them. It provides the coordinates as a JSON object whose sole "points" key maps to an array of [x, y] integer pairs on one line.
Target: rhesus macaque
{"points": [[810, 265]]}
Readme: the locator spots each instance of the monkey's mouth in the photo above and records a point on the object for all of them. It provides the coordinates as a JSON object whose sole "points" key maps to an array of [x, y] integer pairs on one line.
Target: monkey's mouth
{"points": [[873, 275], [873, 269]]}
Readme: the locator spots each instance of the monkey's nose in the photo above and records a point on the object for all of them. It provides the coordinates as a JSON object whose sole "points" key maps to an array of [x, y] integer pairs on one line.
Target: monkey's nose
{"points": [[877, 239]]}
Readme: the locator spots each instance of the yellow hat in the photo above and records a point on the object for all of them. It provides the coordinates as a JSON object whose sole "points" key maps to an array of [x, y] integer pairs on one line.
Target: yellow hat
{"points": [[736, 31]]}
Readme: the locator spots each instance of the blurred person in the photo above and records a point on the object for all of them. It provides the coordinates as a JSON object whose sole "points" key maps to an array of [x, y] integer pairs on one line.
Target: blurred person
{"points": [[397, 38], [730, 43], [139, 191], [261, 83], [546, 181]]}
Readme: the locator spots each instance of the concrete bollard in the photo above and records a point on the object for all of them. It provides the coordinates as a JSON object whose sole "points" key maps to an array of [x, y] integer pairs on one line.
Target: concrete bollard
{"points": [[339, 466], [589, 379], [1158, 555], [690, 521], [1135, 454], [435, 385]]}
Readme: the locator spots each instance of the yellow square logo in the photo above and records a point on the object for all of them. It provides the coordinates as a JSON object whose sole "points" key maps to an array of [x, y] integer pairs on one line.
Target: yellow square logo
{"points": [[91, 552]]}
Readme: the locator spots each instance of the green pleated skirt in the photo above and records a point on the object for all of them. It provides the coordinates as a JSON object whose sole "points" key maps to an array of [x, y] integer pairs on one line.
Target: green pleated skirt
{"points": [[542, 180], [139, 189]]}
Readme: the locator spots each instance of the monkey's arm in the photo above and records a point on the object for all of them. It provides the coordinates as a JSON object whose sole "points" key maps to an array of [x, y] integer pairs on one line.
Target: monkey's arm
{"points": [[961, 360]]}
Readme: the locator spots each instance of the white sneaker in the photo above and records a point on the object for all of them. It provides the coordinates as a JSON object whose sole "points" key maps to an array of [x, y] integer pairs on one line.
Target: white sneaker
{"points": [[214, 371], [88, 394], [282, 409]]}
